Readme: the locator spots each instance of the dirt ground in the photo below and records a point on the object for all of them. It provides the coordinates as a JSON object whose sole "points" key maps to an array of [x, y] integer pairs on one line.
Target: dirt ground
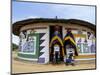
{"points": [[19, 66]]}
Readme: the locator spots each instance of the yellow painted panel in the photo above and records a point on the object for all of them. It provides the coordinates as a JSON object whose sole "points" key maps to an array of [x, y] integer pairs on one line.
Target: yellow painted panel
{"points": [[80, 35], [85, 56]]}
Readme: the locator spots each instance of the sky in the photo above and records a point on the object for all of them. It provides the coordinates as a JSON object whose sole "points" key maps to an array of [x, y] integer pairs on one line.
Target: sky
{"points": [[25, 10]]}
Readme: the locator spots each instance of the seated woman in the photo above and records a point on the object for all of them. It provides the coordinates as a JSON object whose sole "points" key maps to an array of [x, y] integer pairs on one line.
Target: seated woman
{"points": [[70, 59], [70, 47]]}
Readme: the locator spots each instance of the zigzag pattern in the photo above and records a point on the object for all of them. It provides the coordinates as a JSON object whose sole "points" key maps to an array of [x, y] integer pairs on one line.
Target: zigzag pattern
{"points": [[41, 47]]}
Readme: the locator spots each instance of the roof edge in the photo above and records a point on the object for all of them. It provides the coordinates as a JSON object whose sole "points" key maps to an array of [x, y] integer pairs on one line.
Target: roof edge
{"points": [[17, 25]]}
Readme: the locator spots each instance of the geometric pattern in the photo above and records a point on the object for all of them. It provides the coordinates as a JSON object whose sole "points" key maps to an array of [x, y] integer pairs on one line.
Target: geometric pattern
{"points": [[41, 47]]}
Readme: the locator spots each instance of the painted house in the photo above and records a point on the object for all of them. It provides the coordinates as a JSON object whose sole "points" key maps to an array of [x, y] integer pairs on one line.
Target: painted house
{"points": [[40, 38]]}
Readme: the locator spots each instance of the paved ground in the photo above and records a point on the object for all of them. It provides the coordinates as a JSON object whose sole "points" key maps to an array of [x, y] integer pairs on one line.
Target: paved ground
{"points": [[19, 66]]}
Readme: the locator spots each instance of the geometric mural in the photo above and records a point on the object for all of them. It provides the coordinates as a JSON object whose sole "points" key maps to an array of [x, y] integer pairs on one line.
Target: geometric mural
{"points": [[41, 59]]}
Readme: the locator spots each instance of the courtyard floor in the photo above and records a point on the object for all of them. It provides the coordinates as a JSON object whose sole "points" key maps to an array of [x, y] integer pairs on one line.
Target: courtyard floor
{"points": [[19, 66]]}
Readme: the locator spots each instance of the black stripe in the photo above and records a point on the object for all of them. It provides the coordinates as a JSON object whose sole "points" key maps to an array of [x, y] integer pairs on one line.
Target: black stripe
{"points": [[41, 35], [41, 47], [41, 53], [41, 41]]}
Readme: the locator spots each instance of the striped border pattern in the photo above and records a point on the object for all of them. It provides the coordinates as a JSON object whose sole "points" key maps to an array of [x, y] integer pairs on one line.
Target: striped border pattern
{"points": [[41, 47]]}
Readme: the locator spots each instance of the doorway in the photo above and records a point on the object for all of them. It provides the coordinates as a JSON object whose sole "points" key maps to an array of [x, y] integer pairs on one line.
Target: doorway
{"points": [[51, 50]]}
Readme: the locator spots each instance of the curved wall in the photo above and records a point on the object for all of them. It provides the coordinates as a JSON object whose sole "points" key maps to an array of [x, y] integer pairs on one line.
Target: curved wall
{"points": [[34, 41]]}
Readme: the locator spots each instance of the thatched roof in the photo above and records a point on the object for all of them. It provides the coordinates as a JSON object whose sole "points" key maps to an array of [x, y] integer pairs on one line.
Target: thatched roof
{"points": [[17, 25]]}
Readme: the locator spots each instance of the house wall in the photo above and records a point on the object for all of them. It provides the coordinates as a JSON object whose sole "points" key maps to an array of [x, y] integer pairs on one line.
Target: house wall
{"points": [[41, 32], [42, 44], [85, 40]]}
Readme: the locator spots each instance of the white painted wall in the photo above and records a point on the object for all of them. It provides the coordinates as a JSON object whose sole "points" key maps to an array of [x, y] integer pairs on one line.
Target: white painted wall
{"points": [[45, 43]]}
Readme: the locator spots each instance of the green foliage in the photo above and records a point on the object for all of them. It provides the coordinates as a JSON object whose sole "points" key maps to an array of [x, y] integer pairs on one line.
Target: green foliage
{"points": [[14, 47]]}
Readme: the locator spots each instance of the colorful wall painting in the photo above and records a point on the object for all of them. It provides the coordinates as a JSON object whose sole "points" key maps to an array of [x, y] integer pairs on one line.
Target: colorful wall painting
{"points": [[85, 41], [27, 42], [30, 45]]}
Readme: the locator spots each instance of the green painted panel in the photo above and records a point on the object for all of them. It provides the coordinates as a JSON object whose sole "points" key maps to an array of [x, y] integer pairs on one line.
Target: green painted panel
{"points": [[27, 55], [36, 55]]}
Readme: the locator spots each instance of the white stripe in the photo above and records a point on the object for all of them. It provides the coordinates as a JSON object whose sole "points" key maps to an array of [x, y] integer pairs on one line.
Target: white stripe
{"points": [[86, 59], [86, 53], [32, 53], [42, 56], [45, 36], [28, 59]]}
